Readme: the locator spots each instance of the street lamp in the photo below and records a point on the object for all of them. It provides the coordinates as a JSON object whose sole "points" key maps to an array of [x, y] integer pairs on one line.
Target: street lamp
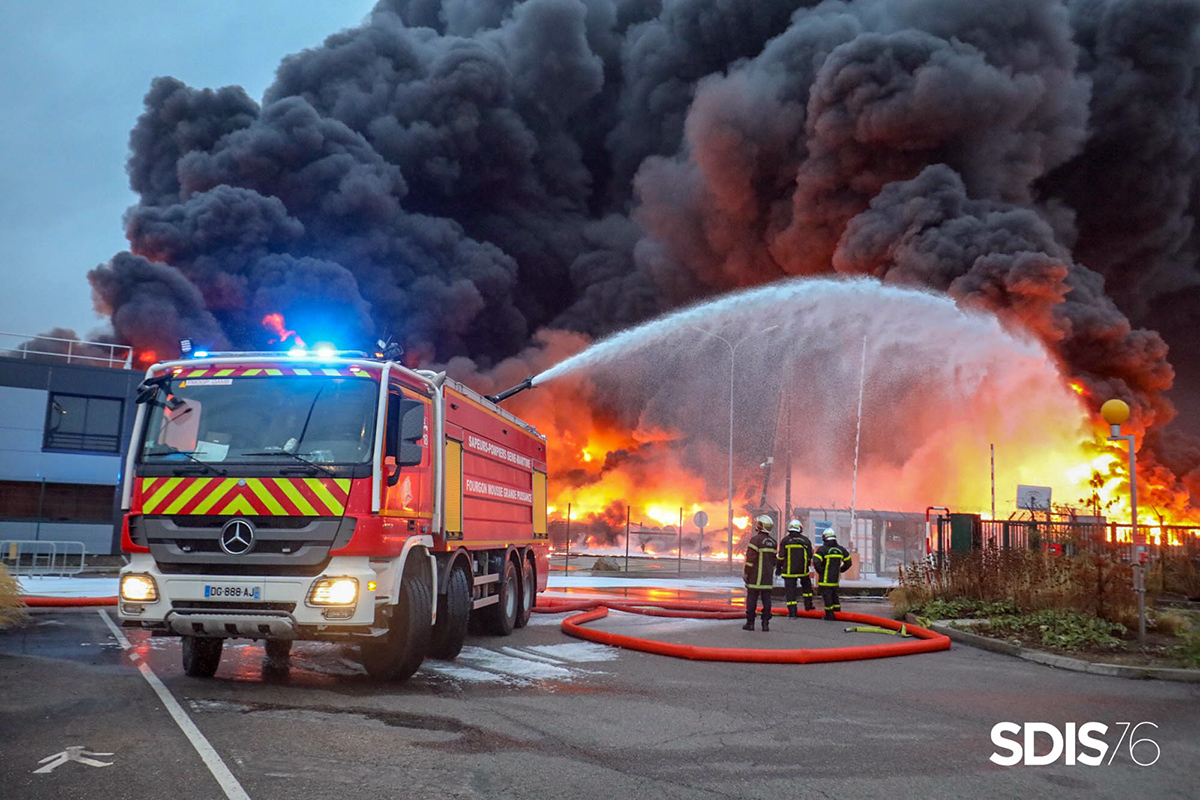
{"points": [[732, 355], [1115, 412]]}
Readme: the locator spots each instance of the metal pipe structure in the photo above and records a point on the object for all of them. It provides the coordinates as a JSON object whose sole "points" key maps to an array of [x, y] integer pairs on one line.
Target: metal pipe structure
{"points": [[862, 382], [732, 361], [1115, 412], [567, 564], [507, 393]]}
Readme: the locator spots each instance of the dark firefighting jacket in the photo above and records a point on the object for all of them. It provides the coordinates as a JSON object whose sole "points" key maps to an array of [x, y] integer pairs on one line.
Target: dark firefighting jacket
{"points": [[830, 561], [759, 572], [795, 553]]}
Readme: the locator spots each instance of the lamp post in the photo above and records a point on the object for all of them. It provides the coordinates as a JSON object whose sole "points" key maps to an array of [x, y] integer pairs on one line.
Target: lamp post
{"points": [[1116, 412], [732, 356]]}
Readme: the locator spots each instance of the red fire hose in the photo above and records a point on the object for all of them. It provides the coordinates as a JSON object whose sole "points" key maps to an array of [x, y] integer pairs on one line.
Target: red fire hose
{"points": [[925, 641], [68, 602]]}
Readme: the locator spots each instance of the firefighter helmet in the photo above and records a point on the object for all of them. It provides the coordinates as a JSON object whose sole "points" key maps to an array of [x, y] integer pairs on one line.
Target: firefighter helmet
{"points": [[830, 535], [795, 526], [764, 523]]}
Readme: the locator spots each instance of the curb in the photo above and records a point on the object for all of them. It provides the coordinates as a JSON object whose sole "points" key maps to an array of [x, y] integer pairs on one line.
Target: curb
{"points": [[1061, 662]]}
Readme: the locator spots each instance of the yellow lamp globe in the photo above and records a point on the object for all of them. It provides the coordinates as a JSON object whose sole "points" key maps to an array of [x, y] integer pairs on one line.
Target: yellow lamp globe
{"points": [[1115, 411]]}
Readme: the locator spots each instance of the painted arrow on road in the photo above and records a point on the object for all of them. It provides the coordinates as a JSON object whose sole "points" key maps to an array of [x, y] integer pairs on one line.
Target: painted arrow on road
{"points": [[74, 753]]}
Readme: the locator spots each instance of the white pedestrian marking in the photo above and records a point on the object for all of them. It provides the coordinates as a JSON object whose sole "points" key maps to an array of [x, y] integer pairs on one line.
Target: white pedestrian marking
{"points": [[73, 753], [229, 784]]}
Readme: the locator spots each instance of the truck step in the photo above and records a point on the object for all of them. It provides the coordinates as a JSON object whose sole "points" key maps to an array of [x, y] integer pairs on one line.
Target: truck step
{"points": [[486, 601], [482, 579]]}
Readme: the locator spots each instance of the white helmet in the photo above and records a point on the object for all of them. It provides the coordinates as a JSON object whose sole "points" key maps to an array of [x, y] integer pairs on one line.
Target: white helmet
{"points": [[795, 526], [764, 523]]}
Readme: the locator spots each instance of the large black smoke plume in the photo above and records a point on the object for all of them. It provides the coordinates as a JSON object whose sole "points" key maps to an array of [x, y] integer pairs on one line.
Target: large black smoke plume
{"points": [[462, 174]]}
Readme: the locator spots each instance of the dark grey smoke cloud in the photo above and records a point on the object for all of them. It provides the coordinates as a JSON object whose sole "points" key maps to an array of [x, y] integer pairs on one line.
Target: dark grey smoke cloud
{"points": [[462, 174]]}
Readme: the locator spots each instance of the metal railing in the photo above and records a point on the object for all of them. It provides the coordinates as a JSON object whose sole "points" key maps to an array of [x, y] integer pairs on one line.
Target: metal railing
{"points": [[1064, 536], [42, 557], [70, 351]]}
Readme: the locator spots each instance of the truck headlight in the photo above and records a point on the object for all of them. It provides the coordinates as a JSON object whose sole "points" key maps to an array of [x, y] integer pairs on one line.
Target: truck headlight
{"points": [[334, 592], [140, 588]]}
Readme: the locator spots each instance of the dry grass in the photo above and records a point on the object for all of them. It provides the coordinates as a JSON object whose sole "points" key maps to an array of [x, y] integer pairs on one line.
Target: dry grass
{"points": [[1171, 623], [1175, 574], [12, 607], [1031, 580]]}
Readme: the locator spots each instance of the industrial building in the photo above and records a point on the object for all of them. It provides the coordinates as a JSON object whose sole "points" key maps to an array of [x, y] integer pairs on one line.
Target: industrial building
{"points": [[66, 413]]}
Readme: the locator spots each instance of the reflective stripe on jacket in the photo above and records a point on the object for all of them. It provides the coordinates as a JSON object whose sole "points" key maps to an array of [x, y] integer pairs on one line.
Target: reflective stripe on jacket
{"points": [[759, 572], [831, 560], [795, 553]]}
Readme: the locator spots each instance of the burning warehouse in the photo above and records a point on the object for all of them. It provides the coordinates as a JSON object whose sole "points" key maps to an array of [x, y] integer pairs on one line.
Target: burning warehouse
{"points": [[1005, 190]]}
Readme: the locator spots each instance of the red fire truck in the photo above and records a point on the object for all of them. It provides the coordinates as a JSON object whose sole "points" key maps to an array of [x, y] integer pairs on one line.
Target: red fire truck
{"points": [[333, 497]]}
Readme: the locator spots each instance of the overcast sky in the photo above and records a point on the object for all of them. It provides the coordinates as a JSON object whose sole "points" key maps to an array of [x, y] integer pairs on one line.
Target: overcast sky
{"points": [[72, 78]]}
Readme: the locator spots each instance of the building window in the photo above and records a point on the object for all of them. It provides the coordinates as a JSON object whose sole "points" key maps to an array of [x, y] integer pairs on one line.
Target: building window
{"points": [[26, 501], [83, 424]]}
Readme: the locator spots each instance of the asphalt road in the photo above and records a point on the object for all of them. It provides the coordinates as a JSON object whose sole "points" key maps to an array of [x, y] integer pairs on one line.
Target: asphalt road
{"points": [[541, 715]]}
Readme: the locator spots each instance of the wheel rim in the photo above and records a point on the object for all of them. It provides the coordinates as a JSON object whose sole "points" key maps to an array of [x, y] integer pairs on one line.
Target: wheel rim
{"points": [[510, 600], [528, 588]]}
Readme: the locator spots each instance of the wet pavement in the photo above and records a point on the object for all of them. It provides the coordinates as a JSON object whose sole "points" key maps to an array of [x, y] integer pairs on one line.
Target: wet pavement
{"points": [[539, 714]]}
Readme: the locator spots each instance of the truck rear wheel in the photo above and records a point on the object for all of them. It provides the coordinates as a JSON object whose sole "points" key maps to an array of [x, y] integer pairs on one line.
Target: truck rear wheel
{"points": [[528, 594], [454, 611], [398, 654], [201, 655], [501, 617]]}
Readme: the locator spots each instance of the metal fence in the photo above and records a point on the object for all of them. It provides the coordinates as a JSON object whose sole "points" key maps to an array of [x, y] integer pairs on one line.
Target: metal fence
{"points": [[66, 351], [28, 557], [1069, 537]]}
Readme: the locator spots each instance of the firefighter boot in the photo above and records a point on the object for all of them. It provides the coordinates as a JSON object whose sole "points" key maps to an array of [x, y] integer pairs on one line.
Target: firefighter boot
{"points": [[828, 613], [792, 610], [766, 625], [749, 626], [808, 604]]}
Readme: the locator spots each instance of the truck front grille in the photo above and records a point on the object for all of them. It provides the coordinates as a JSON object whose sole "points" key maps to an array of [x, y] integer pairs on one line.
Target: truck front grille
{"points": [[281, 545]]}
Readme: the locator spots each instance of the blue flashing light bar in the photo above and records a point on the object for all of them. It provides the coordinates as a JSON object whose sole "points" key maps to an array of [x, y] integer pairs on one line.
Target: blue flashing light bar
{"points": [[199, 354]]}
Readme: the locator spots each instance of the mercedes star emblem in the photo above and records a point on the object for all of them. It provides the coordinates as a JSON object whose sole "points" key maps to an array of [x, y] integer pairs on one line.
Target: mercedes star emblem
{"points": [[237, 537]]}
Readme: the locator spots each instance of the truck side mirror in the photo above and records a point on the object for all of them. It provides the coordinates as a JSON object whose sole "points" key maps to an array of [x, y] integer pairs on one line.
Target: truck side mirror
{"points": [[148, 389], [405, 430], [412, 431]]}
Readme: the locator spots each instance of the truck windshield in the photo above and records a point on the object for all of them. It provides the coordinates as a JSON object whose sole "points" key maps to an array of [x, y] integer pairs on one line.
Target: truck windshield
{"points": [[262, 420]]}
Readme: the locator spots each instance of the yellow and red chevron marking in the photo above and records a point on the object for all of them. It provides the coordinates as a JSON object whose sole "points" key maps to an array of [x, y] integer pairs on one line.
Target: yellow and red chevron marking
{"points": [[277, 497], [250, 372]]}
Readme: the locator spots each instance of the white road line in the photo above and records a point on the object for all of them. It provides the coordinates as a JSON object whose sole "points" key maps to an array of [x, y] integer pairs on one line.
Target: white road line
{"points": [[233, 789]]}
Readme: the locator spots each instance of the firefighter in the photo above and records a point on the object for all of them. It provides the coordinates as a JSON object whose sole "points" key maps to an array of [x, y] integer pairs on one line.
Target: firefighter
{"points": [[830, 561], [795, 555], [759, 572]]}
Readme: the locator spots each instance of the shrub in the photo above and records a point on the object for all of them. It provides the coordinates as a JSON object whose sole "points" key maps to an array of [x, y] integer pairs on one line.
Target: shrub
{"points": [[11, 605], [1028, 580], [1063, 629]]}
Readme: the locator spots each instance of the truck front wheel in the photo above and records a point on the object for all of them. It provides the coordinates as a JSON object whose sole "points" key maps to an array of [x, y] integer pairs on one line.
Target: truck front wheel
{"points": [[398, 654], [454, 610], [201, 655]]}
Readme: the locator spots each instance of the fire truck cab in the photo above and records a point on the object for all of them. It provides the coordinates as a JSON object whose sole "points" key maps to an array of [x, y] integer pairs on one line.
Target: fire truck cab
{"points": [[335, 498]]}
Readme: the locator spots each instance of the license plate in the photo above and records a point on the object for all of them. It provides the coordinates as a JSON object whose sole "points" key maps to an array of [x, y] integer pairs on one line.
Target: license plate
{"points": [[232, 591]]}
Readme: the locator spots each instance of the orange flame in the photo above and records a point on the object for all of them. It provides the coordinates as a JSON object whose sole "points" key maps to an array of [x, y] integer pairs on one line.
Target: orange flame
{"points": [[274, 323]]}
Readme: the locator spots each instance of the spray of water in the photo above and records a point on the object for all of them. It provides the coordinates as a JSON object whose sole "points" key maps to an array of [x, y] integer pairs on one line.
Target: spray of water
{"points": [[940, 384]]}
